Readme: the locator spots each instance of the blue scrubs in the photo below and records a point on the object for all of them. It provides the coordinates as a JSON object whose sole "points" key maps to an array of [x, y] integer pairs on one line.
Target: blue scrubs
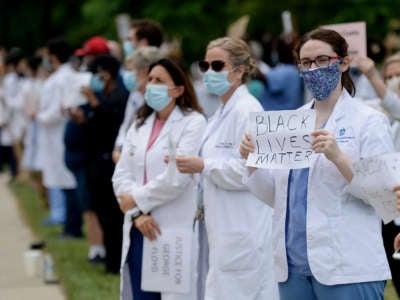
{"points": [[301, 284]]}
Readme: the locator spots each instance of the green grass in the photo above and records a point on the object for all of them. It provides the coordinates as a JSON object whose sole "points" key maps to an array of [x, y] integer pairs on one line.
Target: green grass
{"points": [[390, 293], [79, 279]]}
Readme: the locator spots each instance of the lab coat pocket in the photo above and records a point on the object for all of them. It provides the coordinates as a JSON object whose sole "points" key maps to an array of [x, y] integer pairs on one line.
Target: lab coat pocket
{"points": [[236, 252]]}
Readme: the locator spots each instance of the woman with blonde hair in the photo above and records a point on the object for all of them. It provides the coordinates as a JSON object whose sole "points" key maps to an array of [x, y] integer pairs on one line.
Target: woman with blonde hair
{"points": [[238, 226]]}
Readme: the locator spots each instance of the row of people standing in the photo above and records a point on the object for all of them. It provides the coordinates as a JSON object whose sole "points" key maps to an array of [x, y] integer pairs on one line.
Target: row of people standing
{"points": [[233, 238], [319, 213]]}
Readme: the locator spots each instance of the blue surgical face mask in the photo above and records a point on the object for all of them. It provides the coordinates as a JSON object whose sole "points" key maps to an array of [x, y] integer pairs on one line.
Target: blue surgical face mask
{"points": [[217, 82], [322, 81], [128, 48], [156, 96], [47, 64], [97, 84], [130, 82]]}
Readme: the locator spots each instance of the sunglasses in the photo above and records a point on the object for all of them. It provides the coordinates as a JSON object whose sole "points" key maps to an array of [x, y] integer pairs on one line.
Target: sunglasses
{"points": [[216, 65]]}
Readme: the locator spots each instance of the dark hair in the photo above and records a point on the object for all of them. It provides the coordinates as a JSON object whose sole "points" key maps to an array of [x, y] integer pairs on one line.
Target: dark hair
{"points": [[187, 101], [34, 63], [149, 30], [339, 46], [14, 56], [105, 62], [60, 48]]}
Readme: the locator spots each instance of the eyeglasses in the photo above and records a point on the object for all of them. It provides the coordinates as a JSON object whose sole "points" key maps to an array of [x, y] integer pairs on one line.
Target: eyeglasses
{"points": [[319, 61], [216, 65]]}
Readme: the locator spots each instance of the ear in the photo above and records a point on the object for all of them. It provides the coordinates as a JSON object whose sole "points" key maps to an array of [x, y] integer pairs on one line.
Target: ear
{"points": [[345, 64]]}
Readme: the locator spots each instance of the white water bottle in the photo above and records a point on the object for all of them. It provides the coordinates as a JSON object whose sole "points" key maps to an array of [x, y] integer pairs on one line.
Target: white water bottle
{"points": [[48, 269]]}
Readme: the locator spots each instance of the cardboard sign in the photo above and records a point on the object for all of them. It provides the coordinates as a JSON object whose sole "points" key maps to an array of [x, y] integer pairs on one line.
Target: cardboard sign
{"points": [[167, 261], [282, 139], [355, 34], [377, 176]]}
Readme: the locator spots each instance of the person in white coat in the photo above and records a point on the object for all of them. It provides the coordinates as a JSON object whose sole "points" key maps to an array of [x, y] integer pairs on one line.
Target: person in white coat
{"points": [[152, 197], [238, 225], [13, 129], [135, 80], [320, 213], [52, 121]]}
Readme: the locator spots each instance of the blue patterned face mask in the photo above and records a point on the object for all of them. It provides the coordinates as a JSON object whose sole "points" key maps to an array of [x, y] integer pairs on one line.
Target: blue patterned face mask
{"points": [[156, 96], [216, 82], [322, 81], [97, 84], [129, 80]]}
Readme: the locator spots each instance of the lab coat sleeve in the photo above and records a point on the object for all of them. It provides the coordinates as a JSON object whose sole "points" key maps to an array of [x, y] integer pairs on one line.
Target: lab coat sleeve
{"points": [[51, 113], [391, 103], [171, 183], [12, 94], [376, 139], [226, 173], [129, 111], [261, 184]]}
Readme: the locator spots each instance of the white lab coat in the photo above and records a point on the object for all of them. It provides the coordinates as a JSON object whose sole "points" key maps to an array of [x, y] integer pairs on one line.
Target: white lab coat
{"points": [[238, 225], [170, 197], [12, 86], [135, 101], [51, 127], [31, 92], [344, 241]]}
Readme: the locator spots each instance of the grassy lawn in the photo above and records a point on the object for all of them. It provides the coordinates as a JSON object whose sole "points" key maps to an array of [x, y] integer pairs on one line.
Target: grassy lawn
{"points": [[79, 279]]}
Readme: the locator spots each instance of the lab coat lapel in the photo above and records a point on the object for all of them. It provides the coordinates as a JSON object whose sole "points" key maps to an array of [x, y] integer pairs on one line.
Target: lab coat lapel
{"points": [[338, 112], [144, 133], [175, 116]]}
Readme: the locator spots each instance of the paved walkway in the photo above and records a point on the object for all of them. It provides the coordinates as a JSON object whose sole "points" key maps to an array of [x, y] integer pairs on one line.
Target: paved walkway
{"points": [[15, 238]]}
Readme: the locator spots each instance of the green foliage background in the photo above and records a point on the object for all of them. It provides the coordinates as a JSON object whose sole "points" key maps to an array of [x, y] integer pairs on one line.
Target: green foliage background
{"points": [[30, 23]]}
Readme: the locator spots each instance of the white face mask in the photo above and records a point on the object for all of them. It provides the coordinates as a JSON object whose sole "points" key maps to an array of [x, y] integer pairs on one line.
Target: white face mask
{"points": [[394, 84]]}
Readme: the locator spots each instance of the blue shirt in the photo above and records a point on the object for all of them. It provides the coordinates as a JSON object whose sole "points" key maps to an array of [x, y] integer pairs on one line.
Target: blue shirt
{"points": [[296, 214], [284, 88]]}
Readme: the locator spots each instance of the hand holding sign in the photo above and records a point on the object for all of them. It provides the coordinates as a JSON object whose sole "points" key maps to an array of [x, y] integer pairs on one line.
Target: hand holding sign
{"points": [[282, 139], [246, 146], [148, 226], [325, 143]]}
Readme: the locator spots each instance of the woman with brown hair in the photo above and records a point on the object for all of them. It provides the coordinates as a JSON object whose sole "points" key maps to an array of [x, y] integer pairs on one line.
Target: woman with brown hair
{"points": [[151, 197], [326, 235]]}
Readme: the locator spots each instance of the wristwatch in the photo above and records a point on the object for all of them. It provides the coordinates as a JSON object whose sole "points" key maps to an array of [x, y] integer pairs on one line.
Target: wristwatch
{"points": [[137, 213]]}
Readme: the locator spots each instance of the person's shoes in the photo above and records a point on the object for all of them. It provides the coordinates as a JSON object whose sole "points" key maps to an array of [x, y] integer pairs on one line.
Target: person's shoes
{"points": [[97, 260]]}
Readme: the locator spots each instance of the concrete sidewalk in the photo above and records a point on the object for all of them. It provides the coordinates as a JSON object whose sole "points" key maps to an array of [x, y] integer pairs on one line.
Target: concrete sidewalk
{"points": [[15, 238]]}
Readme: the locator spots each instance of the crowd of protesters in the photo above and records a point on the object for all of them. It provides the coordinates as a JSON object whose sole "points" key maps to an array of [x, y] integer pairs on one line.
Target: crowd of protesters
{"points": [[94, 129]]}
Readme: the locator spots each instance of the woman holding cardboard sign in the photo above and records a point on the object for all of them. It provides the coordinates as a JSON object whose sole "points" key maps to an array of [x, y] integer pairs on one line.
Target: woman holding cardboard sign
{"points": [[321, 212], [153, 195], [238, 225]]}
